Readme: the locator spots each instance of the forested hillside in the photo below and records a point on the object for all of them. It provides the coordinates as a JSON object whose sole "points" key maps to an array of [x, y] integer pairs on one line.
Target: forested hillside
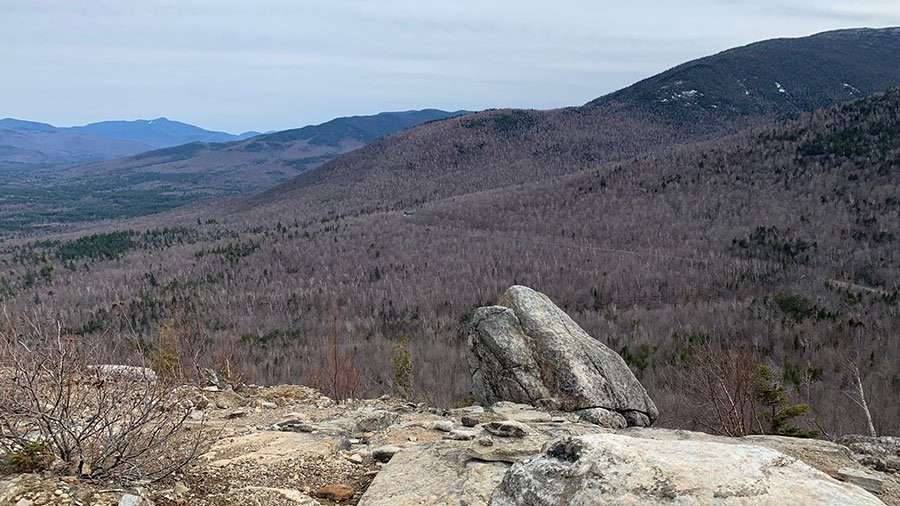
{"points": [[38, 198], [779, 244], [699, 100], [779, 77]]}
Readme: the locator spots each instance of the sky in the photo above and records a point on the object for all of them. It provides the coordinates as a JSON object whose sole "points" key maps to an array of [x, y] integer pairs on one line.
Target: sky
{"points": [[276, 64]]}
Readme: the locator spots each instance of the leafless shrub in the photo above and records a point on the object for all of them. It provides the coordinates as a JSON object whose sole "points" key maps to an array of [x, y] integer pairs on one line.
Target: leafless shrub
{"points": [[717, 386], [95, 423], [337, 376]]}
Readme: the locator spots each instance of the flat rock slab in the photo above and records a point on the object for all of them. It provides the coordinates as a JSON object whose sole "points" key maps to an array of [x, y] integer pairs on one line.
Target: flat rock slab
{"points": [[250, 495], [448, 472], [434, 474], [601, 469], [869, 481], [270, 447], [520, 412]]}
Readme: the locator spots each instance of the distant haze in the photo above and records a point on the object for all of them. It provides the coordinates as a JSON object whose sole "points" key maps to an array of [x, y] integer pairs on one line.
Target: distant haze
{"points": [[277, 64]]}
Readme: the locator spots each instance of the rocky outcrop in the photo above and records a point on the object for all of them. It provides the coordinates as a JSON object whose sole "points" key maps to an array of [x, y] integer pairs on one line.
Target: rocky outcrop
{"points": [[451, 472], [293, 445], [527, 350], [616, 469], [879, 453]]}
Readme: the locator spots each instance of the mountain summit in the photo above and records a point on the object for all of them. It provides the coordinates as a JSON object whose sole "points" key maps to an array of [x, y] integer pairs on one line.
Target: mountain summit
{"points": [[775, 77], [159, 132]]}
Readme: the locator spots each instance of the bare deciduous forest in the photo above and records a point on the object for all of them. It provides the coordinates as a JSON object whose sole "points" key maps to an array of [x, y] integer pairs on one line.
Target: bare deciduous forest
{"points": [[779, 243]]}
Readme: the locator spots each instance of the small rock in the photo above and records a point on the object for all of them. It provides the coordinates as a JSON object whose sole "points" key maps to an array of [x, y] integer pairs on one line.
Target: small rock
{"points": [[337, 492], [294, 425], [236, 413], [210, 378], [460, 435], [355, 458], [636, 419], [211, 388], [385, 453], [24, 502], [867, 481], [375, 420], [520, 412], [134, 500], [180, 488], [603, 418], [470, 410], [470, 421], [442, 425], [267, 404], [485, 441], [507, 428]]}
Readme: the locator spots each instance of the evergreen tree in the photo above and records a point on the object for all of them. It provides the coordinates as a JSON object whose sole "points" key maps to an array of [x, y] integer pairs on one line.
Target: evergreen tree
{"points": [[778, 410]]}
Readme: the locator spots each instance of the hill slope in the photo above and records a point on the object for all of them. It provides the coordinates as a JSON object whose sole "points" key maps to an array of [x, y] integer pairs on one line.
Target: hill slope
{"points": [[777, 77], [259, 162], [780, 242], [499, 148], [157, 180]]}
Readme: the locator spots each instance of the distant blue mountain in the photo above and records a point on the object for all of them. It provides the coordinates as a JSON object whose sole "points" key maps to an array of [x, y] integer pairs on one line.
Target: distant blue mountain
{"points": [[32, 142], [159, 132], [29, 142], [31, 126], [252, 164]]}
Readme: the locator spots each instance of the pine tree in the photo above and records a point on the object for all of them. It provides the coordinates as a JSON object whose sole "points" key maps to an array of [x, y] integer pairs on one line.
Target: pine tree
{"points": [[778, 411]]}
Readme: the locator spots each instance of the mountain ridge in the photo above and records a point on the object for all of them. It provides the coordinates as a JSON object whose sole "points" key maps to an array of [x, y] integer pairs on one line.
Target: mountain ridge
{"points": [[778, 77], [24, 141], [159, 179], [510, 146], [159, 132]]}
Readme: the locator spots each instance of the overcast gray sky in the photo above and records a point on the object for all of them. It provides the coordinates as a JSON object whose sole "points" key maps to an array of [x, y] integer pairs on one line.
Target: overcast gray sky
{"points": [[275, 64]]}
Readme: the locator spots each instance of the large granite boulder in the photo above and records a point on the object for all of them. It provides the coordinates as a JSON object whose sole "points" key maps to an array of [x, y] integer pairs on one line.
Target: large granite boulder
{"points": [[600, 469], [527, 350]]}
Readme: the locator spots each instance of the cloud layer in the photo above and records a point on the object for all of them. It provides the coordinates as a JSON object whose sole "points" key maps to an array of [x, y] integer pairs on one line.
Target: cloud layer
{"points": [[272, 64]]}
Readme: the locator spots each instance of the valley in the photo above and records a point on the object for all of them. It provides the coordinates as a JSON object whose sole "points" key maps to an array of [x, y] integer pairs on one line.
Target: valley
{"points": [[757, 239], [44, 197]]}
